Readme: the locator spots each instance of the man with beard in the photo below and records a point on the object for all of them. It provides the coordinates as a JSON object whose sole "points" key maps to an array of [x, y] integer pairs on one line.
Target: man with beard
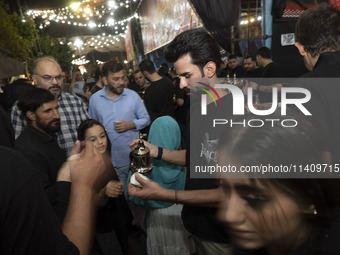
{"points": [[47, 75], [195, 55], [38, 141], [122, 113], [252, 70], [141, 83]]}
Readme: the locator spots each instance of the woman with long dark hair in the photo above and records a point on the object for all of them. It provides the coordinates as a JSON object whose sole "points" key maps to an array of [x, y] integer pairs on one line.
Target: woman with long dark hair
{"points": [[279, 215]]}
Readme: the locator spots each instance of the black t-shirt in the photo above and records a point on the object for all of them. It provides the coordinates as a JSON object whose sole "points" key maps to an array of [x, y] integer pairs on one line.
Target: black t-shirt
{"points": [[95, 89], [324, 104], [27, 221], [43, 151], [138, 89], [158, 98], [6, 129], [198, 220], [256, 73], [272, 70]]}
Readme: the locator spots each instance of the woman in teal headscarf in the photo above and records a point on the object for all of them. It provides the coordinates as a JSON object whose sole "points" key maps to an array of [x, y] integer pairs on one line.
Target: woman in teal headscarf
{"points": [[165, 231]]}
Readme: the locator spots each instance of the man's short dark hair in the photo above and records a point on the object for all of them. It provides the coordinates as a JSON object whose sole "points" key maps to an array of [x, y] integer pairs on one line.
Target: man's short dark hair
{"points": [[137, 71], [165, 65], [318, 30], [200, 45], [111, 66], [147, 65], [34, 99], [250, 55], [97, 73], [232, 56], [264, 52]]}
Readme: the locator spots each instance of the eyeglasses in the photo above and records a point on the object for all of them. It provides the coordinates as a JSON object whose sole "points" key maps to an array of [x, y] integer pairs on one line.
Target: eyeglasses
{"points": [[49, 78]]}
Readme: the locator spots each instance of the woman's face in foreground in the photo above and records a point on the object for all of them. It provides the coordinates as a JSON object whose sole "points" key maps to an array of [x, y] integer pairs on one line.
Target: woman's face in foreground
{"points": [[261, 216], [97, 135]]}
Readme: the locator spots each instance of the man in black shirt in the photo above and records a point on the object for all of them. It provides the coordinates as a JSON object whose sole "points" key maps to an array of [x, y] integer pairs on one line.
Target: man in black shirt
{"points": [[252, 70], [38, 142], [233, 69], [158, 97], [195, 55], [141, 84], [264, 86], [318, 41]]}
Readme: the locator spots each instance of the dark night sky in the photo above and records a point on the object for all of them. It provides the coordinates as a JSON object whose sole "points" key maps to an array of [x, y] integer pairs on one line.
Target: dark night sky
{"points": [[37, 4]]}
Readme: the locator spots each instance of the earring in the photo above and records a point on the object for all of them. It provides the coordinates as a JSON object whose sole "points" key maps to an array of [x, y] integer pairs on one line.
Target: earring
{"points": [[315, 212]]}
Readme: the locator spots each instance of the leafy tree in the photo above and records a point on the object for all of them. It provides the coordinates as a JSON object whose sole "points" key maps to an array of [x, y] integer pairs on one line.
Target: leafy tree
{"points": [[20, 39], [48, 46], [17, 34]]}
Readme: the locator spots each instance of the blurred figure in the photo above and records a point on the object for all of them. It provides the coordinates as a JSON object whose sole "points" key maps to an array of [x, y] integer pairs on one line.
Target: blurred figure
{"points": [[15, 91], [264, 60], [264, 86], [28, 219], [278, 216], [126, 82], [252, 70], [78, 86], [6, 129], [233, 68], [163, 71], [98, 85], [76, 77], [164, 64], [141, 83]]}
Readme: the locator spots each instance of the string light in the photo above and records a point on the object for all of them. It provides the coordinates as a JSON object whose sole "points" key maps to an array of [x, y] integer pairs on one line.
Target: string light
{"points": [[79, 14], [80, 61], [251, 20], [98, 41]]}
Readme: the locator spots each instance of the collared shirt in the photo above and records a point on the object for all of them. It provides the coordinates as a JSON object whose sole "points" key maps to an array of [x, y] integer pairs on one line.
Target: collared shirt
{"points": [[129, 107], [72, 112]]}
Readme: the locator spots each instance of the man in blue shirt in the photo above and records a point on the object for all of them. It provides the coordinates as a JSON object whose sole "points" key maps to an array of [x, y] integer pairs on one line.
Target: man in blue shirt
{"points": [[123, 114]]}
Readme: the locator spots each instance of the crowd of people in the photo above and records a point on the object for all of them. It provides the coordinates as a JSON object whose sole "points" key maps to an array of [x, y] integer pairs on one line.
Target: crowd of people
{"points": [[65, 153]]}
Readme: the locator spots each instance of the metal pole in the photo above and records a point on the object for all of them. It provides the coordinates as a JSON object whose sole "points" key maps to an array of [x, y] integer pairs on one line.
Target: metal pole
{"points": [[248, 27], [232, 40], [264, 21]]}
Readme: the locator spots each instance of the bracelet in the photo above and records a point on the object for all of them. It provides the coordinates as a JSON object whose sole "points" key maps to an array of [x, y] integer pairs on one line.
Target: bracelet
{"points": [[176, 201], [160, 153]]}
